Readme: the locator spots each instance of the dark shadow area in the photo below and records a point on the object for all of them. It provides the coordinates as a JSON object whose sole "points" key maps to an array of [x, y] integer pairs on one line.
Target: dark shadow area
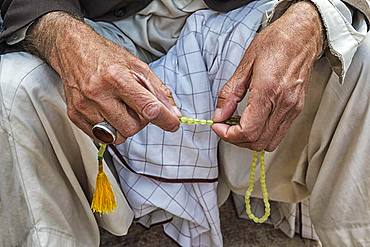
{"points": [[236, 232]]}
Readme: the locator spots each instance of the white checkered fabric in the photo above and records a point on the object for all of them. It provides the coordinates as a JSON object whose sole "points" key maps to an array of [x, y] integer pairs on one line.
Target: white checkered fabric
{"points": [[207, 53], [171, 177]]}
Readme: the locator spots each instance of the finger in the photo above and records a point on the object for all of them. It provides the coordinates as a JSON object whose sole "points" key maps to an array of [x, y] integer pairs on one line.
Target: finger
{"points": [[85, 114], [252, 122], [74, 115], [235, 89], [80, 122], [141, 100], [122, 118], [274, 121], [86, 108], [282, 130]]}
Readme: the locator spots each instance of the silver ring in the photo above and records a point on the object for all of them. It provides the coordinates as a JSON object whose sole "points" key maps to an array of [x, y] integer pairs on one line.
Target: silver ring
{"points": [[104, 132]]}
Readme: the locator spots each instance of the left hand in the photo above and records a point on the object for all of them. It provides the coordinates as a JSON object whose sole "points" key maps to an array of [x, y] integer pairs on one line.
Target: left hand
{"points": [[276, 69]]}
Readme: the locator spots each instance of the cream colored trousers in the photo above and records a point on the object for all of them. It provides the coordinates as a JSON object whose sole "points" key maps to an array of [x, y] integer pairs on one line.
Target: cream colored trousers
{"points": [[48, 165]]}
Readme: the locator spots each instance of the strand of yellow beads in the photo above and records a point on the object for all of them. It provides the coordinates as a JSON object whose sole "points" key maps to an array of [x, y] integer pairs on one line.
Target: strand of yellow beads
{"points": [[193, 121], [252, 170], [265, 196]]}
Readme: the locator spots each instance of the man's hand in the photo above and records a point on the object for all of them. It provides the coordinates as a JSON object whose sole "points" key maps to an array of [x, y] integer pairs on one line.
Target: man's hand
{"points": [[276, 69], [102, 81]]}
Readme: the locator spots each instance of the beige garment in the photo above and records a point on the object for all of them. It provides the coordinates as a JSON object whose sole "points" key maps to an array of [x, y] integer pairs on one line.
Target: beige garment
{"points": [[325, 154], [156, 28]]}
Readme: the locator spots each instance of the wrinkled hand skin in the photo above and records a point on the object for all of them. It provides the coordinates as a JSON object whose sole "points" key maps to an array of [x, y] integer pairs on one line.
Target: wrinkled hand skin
{"points": [[276, 69], [102, 81]]}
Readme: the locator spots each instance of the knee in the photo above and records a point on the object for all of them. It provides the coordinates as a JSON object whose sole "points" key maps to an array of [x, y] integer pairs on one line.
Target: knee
{"points": [[19, 70], [16, 66]]}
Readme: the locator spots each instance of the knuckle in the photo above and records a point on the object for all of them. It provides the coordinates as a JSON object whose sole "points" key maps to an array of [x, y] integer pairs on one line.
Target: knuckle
{"points": [[151, 111], [289, 101], [78, 104], [130, 130], [145, 68], [140, 67], [111, 72], [225, 92], [299, 106], [250, 136], [167, 92], [276, 90], [90, 90]]}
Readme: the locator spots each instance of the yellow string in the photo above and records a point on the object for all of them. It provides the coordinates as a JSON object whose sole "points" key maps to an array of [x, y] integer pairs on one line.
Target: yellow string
{"points": [[252, 171]]}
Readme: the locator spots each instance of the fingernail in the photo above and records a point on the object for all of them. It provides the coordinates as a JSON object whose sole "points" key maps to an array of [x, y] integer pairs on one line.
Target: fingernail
{"points": [[176, 111], [176, 127], [218, 114]]}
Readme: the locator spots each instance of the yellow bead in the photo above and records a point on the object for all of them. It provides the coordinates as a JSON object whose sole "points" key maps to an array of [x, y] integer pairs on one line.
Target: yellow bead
{"points": [[183, 119], [209, 122]]}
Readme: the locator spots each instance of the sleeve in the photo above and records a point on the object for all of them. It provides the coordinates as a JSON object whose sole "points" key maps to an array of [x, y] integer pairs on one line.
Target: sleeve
{"points": [[18, 15], [346, 24]]}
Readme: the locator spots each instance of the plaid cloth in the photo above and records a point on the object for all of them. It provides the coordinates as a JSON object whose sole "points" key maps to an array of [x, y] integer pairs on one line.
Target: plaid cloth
{"points": [[170, 178], [206, 55]]}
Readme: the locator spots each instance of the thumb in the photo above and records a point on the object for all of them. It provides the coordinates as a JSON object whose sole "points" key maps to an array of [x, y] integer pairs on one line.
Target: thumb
{"points": [[235, 89]]}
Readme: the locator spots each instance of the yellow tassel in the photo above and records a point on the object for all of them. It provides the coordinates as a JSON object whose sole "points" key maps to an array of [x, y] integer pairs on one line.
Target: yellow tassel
{"points": [[104, 200]]}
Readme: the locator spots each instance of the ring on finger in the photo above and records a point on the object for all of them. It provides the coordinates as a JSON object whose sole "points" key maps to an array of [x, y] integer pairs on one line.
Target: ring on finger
{"points": [[104, 132]]}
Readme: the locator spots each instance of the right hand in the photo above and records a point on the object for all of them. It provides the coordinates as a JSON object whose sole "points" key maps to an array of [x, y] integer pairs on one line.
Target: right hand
{"points": [[102, 81]]}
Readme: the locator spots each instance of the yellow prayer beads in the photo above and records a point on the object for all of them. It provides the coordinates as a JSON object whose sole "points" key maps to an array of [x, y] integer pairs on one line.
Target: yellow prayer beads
{"points": [[192, 121], [265, 196], [252, 170]]}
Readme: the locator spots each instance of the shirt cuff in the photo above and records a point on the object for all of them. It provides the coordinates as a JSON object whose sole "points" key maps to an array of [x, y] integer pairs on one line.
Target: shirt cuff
{"points": [[345, 29], [18, 35]]}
